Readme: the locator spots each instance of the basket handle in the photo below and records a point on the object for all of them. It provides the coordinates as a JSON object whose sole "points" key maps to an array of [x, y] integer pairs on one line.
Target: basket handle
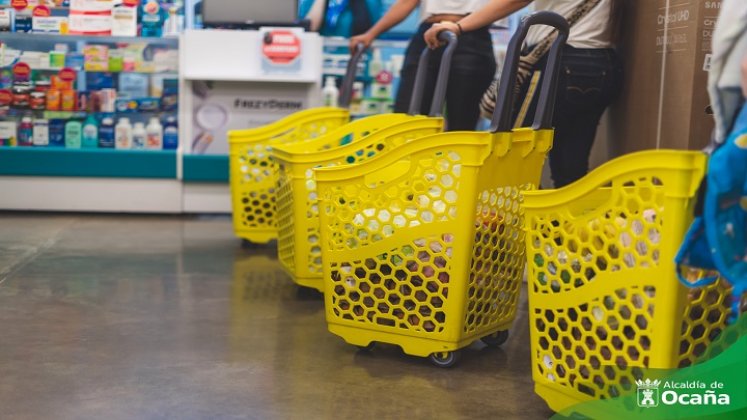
{"points": [[439, 93], [346, 89], [546, 106]]}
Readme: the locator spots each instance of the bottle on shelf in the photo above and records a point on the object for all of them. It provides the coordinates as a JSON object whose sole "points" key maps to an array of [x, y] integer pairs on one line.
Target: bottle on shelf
{"points": [[138, 136], [106, 133], [73, 134], [154, 134], [41, 132], [152, 19], [377, 64], [26, 132], [123, 134], [330, 92], [57, 133], [170, 133], [171, 26], [90, 132]]}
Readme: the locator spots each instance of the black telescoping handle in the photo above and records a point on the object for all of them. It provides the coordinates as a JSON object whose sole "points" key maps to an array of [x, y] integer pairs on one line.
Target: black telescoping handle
{"points": [[439, 93], [346, 90], [503, 113]]}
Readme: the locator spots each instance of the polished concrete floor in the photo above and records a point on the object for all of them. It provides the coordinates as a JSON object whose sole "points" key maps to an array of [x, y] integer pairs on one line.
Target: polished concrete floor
{"points": [[120, 317]]}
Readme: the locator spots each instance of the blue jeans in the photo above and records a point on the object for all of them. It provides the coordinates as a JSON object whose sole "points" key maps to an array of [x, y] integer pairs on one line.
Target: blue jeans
{"points": [[590, 79]]}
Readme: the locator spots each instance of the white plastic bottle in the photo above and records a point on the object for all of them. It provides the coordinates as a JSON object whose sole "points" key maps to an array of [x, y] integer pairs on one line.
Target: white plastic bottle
{"points": [[376, 65], [123, 134], [154, 135], [330, 93], [138, 136]]}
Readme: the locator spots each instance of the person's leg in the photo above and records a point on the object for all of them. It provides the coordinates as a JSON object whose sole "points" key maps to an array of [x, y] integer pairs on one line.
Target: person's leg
{"points": [[472, 70], [590, 80], [409, 70], [572, 143]]}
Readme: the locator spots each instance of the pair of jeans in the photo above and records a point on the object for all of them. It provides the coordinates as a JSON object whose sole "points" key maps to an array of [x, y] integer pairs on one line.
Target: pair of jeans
{"points": [[472, 70], [589, 80]]}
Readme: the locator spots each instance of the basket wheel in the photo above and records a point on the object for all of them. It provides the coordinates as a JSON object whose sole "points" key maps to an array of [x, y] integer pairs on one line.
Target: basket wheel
{"points": [[445, 359], [496, 339], [367, 347]]}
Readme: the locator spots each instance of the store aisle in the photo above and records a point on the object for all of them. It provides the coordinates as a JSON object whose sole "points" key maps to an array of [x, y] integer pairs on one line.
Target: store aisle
{"points": [[168, 317]]}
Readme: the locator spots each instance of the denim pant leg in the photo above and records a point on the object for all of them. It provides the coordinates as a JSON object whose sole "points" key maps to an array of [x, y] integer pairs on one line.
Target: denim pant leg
{"points": [[589, 81], [472, 70]]}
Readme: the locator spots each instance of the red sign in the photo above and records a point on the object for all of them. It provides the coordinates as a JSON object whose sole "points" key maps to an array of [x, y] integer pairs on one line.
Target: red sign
{"points": [[6, 97], [41, 11], [67, 74], [19, 4], [131, 3], [21, 71], [281, 47]]}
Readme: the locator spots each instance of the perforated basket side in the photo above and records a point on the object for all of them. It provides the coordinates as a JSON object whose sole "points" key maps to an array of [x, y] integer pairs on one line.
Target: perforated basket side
{"points": [[393, 238], [252, 176], [285, 216], [604, 298], [304, 192]]}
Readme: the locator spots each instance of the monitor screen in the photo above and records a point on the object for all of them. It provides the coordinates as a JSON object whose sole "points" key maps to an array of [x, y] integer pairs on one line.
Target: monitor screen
{"points": [[249, 11]]}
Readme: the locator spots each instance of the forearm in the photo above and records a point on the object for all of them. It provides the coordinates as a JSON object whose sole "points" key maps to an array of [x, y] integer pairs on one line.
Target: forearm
{"points": [[494, 10], [396, 14], [316, 14]]}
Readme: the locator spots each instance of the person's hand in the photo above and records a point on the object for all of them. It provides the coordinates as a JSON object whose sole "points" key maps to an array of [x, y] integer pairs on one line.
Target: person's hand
{"points": [[431, 35], [365, 38], [744, 76]]}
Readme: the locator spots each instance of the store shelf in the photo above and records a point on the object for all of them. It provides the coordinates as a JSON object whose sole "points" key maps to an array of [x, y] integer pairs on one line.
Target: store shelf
{"points": [[205, 168], [91, 39], [104, 163], [335, 41], [57, 69], [66, 115]]}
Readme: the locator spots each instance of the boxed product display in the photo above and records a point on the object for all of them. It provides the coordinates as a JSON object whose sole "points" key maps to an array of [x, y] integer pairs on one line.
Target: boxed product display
{"points": [[664, 98]]}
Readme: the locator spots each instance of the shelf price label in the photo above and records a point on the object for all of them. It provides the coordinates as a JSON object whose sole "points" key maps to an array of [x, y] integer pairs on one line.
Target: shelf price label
{"points": [[19, 4], [21, 72], [67, 74]]}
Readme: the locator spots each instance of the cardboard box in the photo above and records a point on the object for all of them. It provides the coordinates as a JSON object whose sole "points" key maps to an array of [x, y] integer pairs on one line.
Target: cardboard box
{"points": [[666, 48]]}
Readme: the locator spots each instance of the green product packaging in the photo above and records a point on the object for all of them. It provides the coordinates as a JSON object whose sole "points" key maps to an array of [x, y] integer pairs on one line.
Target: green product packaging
{"points": [[73, 134]]}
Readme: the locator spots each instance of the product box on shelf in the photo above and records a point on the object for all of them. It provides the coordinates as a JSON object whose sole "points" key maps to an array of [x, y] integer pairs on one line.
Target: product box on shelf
{"points": [[124, 20], [8, 130], [664, 97], [137, 105], [91, 17], [96, 58], [133, 85], [7, 18]]}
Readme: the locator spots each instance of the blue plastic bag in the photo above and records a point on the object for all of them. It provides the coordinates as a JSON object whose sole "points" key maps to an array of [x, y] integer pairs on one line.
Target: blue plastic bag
{"points": [[717, 240]]}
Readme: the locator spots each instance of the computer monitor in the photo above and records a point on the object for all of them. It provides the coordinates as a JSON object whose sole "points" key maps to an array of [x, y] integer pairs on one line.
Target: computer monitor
{"points": [[249, 13]]}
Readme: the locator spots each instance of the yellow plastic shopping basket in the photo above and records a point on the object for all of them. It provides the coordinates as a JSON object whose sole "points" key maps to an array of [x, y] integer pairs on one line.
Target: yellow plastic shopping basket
{"points": [[423, 246], [251, 170], [604, 298], [299, 248]]}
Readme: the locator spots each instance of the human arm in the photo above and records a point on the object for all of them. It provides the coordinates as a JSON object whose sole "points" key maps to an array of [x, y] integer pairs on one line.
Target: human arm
{"points": [[494, 10], [316, 14], [396, 14], [744, 76]]}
